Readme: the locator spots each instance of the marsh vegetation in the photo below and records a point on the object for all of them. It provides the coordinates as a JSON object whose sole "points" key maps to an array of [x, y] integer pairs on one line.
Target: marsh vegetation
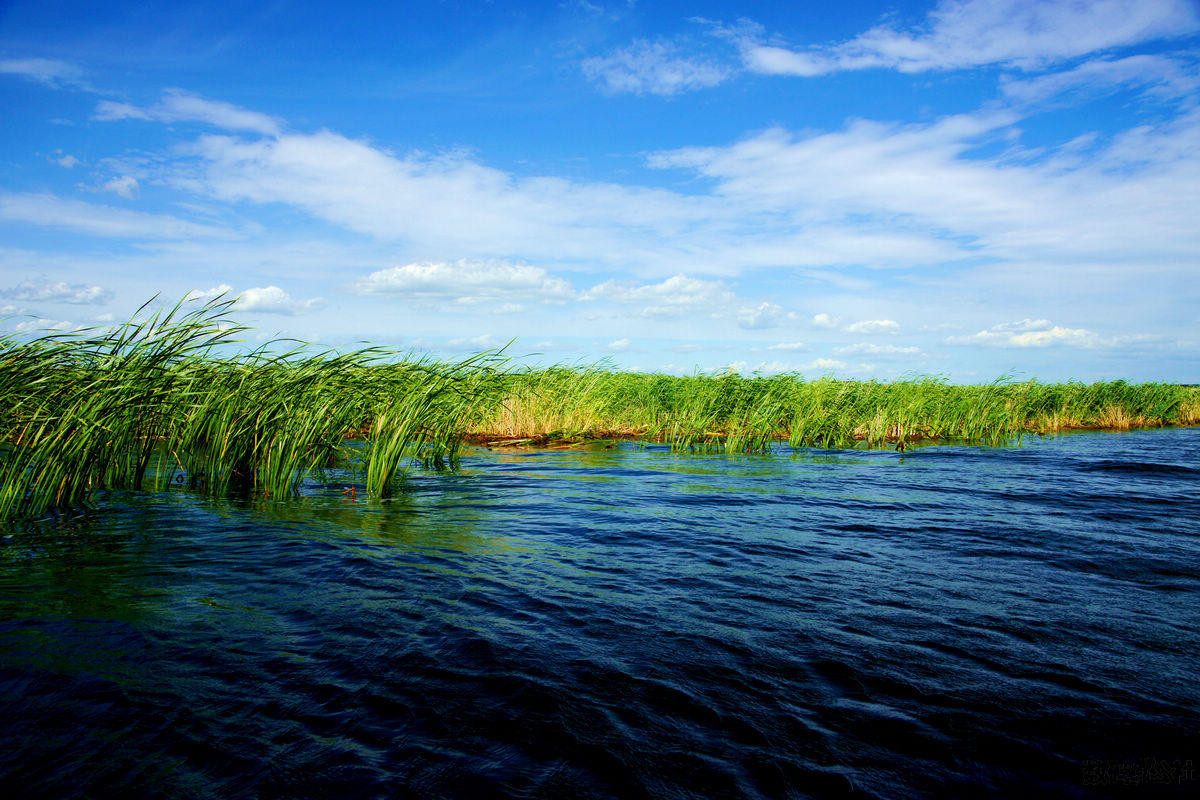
{"points": [[168, 399]]}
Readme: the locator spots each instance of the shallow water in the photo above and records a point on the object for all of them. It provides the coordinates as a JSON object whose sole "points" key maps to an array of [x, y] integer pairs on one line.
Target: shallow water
{"points": [[951, 621]]}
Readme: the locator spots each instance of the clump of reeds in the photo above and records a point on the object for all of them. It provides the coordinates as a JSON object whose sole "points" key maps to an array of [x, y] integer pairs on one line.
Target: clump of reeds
{"points": [[96, 409], [84, 410]]}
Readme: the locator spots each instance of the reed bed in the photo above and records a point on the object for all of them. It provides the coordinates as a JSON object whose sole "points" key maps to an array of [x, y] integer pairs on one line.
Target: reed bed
{"points": [[733, 413], [167, 399]]}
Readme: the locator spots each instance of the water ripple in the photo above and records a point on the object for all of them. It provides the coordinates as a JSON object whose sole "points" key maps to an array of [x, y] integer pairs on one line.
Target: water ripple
{"points": [[951, 621]]}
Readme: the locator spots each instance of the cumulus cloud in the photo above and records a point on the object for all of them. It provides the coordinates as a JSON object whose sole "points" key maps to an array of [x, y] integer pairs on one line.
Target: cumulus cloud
{"points": [[873, 326], [788, 346], [201, 295], [273, 300], [618, 345], [262, 300], [682, 296], [39, 325], [503, 285], [126, 186], [761, 316], [652, 68], [1034, 333], [44, 290], [969, 33], [65, 160], [676, 296]]}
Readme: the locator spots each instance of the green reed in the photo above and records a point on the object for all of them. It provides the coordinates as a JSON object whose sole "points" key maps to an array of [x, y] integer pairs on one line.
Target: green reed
{"points": [[166, 397], [736, 414], [103, 409]]}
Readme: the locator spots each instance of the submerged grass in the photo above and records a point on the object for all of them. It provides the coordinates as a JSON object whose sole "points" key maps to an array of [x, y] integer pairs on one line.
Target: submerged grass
{"points": [[153, 399]]}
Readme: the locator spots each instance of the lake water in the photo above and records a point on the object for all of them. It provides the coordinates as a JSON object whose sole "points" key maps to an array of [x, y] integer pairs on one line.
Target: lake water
{"points": [[951, 621]]}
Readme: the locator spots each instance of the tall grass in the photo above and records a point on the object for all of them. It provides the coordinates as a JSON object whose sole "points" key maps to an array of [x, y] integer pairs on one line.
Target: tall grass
{"points": [[96, 409], [728, 412], [164, 396]]}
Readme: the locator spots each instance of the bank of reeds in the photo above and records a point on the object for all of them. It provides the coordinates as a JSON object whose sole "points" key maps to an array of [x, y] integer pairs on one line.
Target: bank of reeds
{"points": [[734, 413], [163, 399]]}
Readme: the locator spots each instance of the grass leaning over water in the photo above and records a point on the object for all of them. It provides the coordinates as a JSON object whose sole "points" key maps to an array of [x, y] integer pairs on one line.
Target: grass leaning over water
{"points": [[151, 400], [108, 409]]}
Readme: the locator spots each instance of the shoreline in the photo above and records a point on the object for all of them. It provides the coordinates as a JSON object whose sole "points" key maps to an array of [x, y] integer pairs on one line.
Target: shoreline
{"points": [[544, 441]]}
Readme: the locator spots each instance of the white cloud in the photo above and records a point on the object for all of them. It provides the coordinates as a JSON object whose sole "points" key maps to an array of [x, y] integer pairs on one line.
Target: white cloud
{"points": [[822, 365], [126, 186], [273, 300], [46, 71], [826, 364], [181, 106], [883, 350], [483, 342], [40, 325], [67, 160], [43, 290], [1027, 34], [110, 110], [676, 296], [1157, 75], [498, 283], [788, 346], [873, 326], [1032, 223], [762, 316], [58, 212], [762, 367], [652, 68], [201, 295], [618, 345], [1132, 199], [262, 300], [451, 203], [1037, 333], [681, 296]]}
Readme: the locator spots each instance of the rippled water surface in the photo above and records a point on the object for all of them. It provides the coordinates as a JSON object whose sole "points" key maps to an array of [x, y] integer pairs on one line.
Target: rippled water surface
{"points": [[951, 621]]}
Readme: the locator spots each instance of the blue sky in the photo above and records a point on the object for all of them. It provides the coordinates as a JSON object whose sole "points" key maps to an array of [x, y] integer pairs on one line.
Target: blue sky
{"points": [[967, 189]]}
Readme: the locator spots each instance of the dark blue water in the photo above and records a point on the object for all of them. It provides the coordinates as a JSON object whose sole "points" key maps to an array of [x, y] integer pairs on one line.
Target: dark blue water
{"points": [[948, 622]]}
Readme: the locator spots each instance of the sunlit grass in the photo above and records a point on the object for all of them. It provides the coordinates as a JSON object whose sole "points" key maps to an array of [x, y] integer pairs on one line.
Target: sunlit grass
{"points": [[736, 413], [105, 409], [159, 400]]}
